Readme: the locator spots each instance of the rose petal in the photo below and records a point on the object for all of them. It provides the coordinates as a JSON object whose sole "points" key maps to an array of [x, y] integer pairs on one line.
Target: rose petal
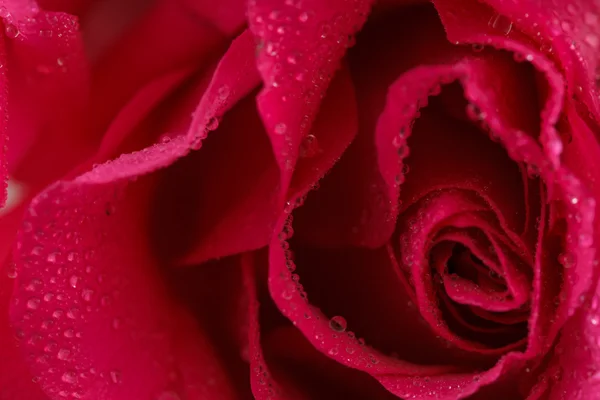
{"points": [[223, 199], [104, 288], [239, 215], [479, 24], [297, 58], [98, 194], [229, 16], [166, 38], [362, 212], [314, 374], [569, 33], [3, 129], [574, 368], [15, 377], [47, 74], [264, 385]]}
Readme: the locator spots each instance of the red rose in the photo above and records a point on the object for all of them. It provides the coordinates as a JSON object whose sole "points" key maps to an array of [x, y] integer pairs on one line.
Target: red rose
{"points": [[299, 199]]}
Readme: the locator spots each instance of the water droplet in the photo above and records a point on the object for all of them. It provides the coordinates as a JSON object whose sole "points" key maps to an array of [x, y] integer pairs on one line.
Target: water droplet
{"points": [[595, 320], [87, 294], [115, 376], [116, 323], [73, 280], [292, 59], [224, 92], [47, 324], [477, 47], [309, 146], [63, 354], [303, 17], [48, 296], [69, 377], [50, 347], [69, 333], [212, 123], [11, 31], [52, 257], [590, 18], [592, 40], [338, 324], [586, 240], [567, 260], [33, 303], [33, 285], [501, 23], [57, 313], [280, 128], [11, 271], [333, 351], [73, 313]]}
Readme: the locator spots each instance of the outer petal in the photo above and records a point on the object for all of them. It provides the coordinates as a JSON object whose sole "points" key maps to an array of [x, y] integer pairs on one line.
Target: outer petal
{"points": [[568, 32], [78, 286], [15, 377], [47, 87], [301, 45]]}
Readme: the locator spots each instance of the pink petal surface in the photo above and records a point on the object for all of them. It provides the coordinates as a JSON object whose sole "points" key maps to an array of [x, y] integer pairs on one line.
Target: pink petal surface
{"points": [[15, 376], [569, 33], [577, 352], [48, 74], [118, 302], [144, 53], [228, 16], [3, 128], [520, 147], [95, 287], [264, 386], [300, 48], [353, 206]]}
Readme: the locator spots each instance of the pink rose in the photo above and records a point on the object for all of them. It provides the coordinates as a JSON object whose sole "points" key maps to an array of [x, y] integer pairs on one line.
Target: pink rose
{"points": [[299, 199]]}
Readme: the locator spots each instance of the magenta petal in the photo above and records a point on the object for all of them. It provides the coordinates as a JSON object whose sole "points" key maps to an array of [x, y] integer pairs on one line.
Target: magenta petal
{"points": [[297, 58], [3, 128], [577, 354], [571, 31], [144, 52], [228, 16], [467, 25], [397, 376], [88, 301], [48, 90], [264, 386], [15, 378]]}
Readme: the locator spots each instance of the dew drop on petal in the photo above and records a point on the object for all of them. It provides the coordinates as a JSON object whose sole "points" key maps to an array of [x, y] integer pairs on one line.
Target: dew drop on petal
{"points": [[33, 303], [168, 395], [501, 23], [11, 271], [115, 376], [69, 377], [63, 354], [11, 31], [338, 324], [280, 128], [212, 123]]}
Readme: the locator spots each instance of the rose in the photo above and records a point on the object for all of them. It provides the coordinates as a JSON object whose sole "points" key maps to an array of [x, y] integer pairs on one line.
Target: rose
{"points": [[466, 264]]}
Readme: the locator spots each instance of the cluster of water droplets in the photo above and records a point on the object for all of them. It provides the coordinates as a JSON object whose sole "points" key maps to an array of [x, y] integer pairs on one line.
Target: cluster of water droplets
{"points": [[329, 335], [219, 100], [36, 25], [299, 51]]}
